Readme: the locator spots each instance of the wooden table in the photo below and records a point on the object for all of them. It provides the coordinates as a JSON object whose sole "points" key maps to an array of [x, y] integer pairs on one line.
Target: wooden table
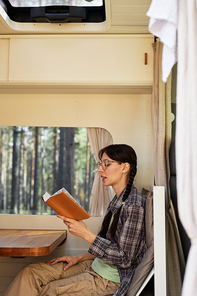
{"points": [[28, 243]]}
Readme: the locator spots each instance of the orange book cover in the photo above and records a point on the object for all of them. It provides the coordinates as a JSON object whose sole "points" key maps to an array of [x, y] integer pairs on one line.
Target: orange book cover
{"points": [[65, 205]]}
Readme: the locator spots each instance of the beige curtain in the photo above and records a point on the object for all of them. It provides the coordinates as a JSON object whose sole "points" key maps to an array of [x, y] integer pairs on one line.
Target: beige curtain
{"points": [[161, 116], [186, 137], [100, 195]]}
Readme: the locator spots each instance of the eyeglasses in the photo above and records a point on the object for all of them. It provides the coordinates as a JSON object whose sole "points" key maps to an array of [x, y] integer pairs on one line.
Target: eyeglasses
{"points": [[105, 163]]}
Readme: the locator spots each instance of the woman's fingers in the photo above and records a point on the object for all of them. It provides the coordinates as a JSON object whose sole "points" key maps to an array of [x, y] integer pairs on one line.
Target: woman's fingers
{"points": [[68, 265], [65, 219], [78, 228], [53, 261], [56, 260], [73, 225], [70, 260]]}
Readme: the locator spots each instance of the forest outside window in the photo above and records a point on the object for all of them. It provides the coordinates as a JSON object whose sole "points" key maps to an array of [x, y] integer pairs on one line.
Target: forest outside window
{"points": [[34, 160]]}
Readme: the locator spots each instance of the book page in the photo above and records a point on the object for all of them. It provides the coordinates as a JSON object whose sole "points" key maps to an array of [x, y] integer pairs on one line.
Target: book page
{"points": [[65, 191], [46, 196]]}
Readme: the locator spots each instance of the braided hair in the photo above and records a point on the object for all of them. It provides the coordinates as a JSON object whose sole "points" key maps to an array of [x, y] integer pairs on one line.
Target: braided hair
{"points": [[121, 153]]}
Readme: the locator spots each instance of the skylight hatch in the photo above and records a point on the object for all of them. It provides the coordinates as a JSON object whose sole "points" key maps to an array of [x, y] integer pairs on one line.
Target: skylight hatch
{"points": [[55, 11], [37, 3]]}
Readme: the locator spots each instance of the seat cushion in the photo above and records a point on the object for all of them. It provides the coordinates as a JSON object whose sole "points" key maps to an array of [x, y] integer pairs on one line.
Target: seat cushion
{"points": [[147, 262]]}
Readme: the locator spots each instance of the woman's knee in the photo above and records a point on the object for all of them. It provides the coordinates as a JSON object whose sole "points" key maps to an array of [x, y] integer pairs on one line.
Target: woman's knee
{"points": [[32, 269]]}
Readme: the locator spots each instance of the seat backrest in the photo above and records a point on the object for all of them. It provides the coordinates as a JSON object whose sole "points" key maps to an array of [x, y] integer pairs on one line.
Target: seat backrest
{"points": [[146, 265]]}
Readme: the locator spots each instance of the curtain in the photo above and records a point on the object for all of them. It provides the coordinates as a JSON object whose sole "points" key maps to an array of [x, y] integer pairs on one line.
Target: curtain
{"points": [[163, 24], [186, 139], [161, 116], [100, 195]]}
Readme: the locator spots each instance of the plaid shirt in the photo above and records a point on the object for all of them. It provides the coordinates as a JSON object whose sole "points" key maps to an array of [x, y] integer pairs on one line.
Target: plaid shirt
{"points": [[127, 248]]}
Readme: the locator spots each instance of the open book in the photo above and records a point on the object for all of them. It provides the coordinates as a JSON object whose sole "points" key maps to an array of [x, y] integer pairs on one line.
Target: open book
{"points": [[64, 204]]}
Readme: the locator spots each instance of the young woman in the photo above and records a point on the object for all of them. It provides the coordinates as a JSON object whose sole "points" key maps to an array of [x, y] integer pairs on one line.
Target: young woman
{"points": [[114, 254]]}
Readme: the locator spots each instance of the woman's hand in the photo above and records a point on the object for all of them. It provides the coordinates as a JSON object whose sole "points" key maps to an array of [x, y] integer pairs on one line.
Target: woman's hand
{"points": [[78, 228], [70, 260]]}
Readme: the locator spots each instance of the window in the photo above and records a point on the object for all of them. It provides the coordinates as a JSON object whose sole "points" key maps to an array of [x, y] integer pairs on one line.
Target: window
{"points": [[34, 160], [55, 11]]}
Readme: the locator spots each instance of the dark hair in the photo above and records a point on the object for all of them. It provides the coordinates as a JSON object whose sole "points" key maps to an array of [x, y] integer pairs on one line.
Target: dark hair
{"points": [[121, 153]]}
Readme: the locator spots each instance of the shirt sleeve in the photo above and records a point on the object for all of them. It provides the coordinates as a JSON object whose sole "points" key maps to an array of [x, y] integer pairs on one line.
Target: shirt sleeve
{"points": [[128, 242]]}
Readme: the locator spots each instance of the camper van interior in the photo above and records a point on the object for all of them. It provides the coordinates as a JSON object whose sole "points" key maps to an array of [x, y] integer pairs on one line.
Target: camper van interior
{"points": [[83, 74]]}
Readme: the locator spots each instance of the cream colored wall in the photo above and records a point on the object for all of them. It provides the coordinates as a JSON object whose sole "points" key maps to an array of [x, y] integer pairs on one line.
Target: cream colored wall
{"points": [[126, 116], [110, 88]]}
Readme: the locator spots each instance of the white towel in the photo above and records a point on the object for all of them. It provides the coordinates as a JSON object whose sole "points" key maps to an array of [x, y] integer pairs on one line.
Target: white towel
{"points": [[163, 24]]}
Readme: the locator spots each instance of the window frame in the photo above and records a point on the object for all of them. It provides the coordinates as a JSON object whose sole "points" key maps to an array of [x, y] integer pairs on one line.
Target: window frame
{"points": [[55, 13]]}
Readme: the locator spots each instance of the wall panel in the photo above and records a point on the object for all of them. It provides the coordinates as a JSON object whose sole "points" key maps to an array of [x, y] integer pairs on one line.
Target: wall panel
{"points": [[4, 59], [90, 59], [126, 116]]}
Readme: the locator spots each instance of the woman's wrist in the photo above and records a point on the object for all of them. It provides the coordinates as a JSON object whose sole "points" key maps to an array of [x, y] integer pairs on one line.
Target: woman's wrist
{"points": [[83, 257], [90, 237]]}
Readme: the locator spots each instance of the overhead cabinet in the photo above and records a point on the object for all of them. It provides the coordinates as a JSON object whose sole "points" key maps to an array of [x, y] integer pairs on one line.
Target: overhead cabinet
{"points": [[78, 59]]}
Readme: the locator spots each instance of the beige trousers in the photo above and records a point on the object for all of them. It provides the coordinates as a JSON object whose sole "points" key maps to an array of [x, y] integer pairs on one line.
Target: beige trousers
{"points": [[49, 280]]}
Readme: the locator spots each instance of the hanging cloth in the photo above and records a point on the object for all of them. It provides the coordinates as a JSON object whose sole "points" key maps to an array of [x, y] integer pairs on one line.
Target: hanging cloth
{"points": [[100, 195], [163, 24], [186, 140]]}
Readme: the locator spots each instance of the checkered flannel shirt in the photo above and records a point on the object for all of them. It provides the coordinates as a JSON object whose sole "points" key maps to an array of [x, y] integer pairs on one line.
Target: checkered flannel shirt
{"points": [[127, 248]]}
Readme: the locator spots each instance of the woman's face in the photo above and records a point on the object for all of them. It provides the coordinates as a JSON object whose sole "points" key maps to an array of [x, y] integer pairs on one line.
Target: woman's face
{"points": [[111, 171]]}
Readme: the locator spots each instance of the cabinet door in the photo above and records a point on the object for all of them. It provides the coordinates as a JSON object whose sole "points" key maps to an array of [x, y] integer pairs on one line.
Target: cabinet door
{"points": [[4, 59], [89, 59]]}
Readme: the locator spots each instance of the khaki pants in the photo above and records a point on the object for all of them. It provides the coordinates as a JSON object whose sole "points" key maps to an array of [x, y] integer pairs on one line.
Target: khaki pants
{"points": [[46, 280]]}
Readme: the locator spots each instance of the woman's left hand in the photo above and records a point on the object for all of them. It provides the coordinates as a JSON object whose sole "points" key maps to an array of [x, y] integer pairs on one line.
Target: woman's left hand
{"points": [[78, 228]]}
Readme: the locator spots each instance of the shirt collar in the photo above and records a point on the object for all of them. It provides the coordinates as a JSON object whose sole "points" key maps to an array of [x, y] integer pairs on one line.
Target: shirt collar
{"points": [[117, 202]]}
